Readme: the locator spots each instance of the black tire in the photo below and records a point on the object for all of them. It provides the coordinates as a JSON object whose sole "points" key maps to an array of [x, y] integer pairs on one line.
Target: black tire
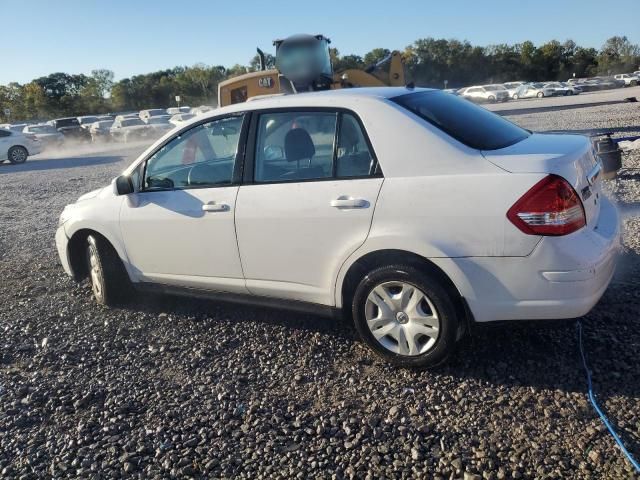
{"points": [[18, 154], [109, 282], [432, 287], [540, 94], [492, 99], [515, 96]]}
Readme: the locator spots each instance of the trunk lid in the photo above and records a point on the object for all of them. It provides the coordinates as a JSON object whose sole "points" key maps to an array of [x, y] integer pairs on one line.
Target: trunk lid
{"points": [[569, 156]]}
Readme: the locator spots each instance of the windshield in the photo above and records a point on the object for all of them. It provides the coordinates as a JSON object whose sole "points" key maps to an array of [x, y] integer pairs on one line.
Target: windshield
{"points": [[86, 120], [470, 124], [130, 122], [493, 88], [158, 120], [67, 122], [537, 85]]}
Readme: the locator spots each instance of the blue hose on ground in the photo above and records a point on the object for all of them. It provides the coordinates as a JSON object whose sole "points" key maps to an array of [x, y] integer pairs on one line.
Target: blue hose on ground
{"points": [[592, 398]]}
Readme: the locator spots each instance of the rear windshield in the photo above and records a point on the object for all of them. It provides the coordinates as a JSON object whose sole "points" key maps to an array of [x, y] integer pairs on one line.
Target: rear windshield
{"points": [[468, 123], [130, 122], [67, 122]]}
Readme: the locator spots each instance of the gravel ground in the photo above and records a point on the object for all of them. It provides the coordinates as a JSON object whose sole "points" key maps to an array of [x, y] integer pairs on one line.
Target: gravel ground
{"points": [[168, 387]]}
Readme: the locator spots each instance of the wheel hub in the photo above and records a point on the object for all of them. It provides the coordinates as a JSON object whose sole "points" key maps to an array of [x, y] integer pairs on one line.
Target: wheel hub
{"points": [[402, 317]]}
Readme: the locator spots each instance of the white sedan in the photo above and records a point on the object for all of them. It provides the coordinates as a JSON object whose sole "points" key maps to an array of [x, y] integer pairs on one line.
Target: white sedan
{"points": [[413, 212], [17, 146]]}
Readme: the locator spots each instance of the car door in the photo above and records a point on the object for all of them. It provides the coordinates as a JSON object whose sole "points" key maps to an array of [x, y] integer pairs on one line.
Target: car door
{"points": [[178, 229], [310, 187]]}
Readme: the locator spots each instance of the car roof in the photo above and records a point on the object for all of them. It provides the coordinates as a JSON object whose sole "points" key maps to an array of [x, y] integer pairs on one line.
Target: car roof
{"points": [[328, 98]]}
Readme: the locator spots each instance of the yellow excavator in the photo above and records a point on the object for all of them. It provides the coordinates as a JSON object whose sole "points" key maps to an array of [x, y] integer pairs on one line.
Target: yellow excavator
{"points": [[303, 64]]}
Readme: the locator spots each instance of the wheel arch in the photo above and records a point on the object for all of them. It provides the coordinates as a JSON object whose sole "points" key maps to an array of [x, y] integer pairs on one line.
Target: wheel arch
{"points": [[76, 249], [359, 268]]}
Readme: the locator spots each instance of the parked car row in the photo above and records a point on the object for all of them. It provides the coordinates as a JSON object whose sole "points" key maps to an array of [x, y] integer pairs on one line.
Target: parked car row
{"points": [[146, 124], [502, 92]]}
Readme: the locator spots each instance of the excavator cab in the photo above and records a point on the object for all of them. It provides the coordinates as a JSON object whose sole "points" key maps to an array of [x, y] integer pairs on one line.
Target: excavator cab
{"points": [[304, 63]]}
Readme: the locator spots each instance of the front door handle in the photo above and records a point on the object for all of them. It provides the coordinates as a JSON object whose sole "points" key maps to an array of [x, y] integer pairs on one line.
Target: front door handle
{"points": [[349, 202], [215, 207]]}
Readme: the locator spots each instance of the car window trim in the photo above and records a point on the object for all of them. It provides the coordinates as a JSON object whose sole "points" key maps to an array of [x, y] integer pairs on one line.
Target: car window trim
{"points": [[236, 175], [250, 157]]}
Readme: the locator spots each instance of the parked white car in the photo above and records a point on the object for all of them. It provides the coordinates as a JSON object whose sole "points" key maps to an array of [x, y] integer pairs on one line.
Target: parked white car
{"points": [[87, 120], [176, 110], [559, 89], [101, 131], [428, 214], [534, 90], [160, 123], [630, 80], [181, 118], [486, 93], [130, 129], [512, 87], [46, 134], [201, 109], [17, 146], [153, 112]]}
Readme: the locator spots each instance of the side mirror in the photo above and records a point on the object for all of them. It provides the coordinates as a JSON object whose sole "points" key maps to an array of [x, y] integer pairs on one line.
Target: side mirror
{"points": [[124, 185]]}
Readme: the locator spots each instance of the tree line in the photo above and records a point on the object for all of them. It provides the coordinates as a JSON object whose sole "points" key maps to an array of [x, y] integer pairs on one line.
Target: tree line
{"points": [[429, 62]]}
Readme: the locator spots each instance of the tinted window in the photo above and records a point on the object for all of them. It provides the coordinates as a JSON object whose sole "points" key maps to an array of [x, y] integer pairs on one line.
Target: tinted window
{"points": [[353, 158], [67, 122], [472, 125], [4, 133], [202, 156], [131, 122], [295, 146]]}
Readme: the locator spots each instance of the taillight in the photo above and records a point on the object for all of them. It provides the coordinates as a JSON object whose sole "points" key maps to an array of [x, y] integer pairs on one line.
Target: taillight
{"points": [[550, 207]]}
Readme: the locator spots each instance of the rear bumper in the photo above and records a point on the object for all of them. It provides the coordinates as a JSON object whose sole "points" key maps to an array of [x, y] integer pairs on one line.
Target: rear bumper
{"points": [[564, 277], [35, 148], [62, 243]]}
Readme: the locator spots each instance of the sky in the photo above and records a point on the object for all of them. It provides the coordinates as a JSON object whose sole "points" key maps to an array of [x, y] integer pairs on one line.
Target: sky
{"points": [[139, 36]]}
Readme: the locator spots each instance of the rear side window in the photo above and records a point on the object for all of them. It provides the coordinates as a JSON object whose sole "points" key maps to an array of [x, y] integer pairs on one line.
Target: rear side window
{"points": [[354, 159], [474, 126]]}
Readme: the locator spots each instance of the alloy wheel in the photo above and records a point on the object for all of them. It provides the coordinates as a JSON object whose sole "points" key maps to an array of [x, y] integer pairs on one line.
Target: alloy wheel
{"points": [[18, 155]]}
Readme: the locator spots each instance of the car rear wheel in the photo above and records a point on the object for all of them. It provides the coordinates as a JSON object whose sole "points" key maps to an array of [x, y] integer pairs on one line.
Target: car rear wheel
{"points": [[492, 99], [405, 316], [18, 155], [540, 94], [109, 280], [515, 96]]}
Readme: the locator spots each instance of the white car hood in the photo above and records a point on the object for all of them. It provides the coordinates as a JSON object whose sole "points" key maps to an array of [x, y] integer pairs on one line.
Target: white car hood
{"points": [[91, 194]]}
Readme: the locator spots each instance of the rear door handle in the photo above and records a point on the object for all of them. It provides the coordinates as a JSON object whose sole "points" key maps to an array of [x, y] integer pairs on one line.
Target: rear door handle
{"points": [[215, 207], [349, 202]]}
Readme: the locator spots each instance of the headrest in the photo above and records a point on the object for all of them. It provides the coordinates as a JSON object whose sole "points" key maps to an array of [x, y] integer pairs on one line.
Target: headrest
{"points": [[298, 145]]}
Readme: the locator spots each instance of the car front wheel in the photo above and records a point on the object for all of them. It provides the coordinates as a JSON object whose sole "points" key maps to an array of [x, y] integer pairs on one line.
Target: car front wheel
{"points": [[540, 94], [18, 155], [109, 280], [405, 316]]}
